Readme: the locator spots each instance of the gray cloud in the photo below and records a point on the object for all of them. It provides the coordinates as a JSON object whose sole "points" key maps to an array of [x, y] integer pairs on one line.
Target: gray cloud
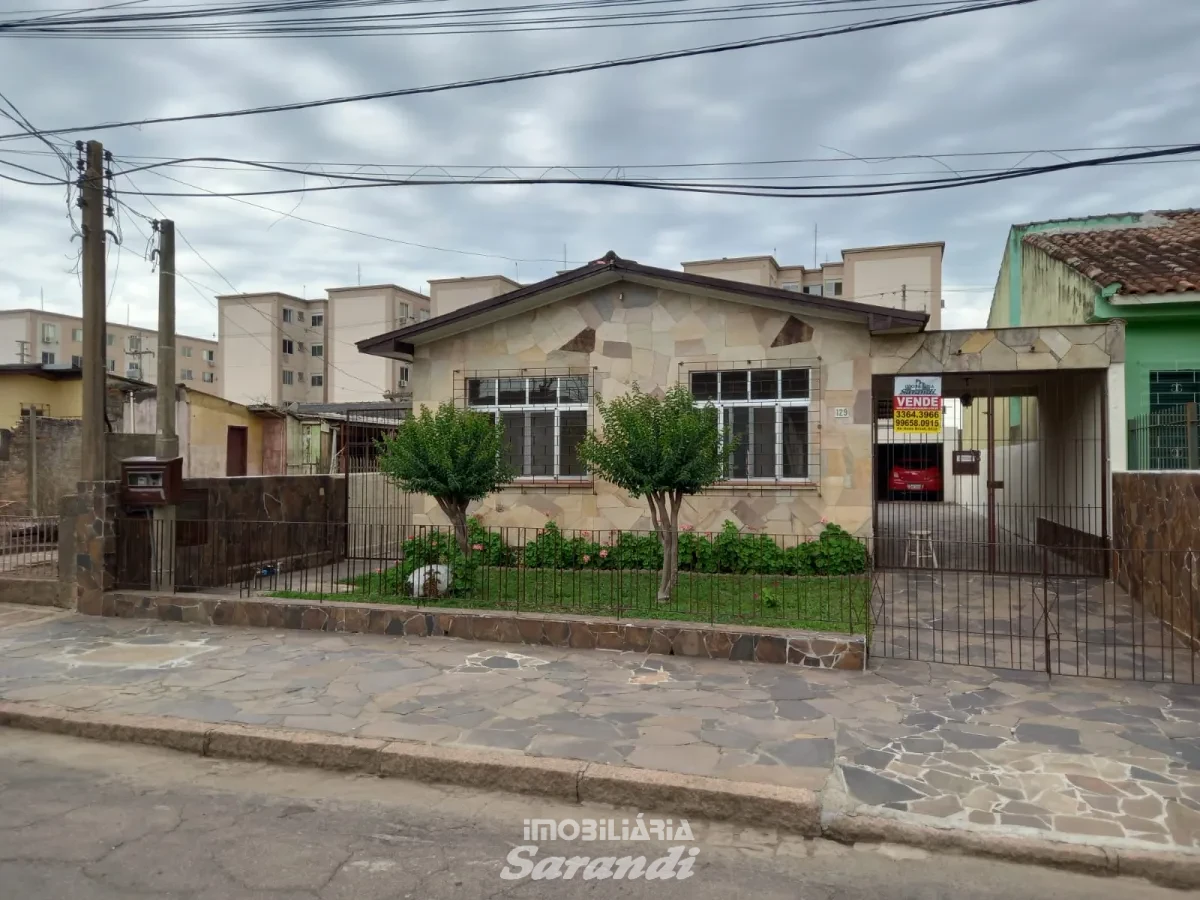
{"points": [[1059, 73]]}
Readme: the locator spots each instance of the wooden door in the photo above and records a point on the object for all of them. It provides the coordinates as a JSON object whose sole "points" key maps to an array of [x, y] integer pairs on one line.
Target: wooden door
{"points": [[236, 446]]}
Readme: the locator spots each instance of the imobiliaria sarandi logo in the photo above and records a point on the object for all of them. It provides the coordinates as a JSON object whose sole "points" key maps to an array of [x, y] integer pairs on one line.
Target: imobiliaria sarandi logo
{"points": [[676, 863]]}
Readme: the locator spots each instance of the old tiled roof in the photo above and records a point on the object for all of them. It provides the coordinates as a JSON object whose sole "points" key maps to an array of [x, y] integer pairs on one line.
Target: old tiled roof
{"points": [[1159, 255]]}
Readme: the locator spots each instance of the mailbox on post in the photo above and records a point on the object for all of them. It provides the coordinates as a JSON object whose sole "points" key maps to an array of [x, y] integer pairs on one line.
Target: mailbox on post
{"points": [[148, 481]]}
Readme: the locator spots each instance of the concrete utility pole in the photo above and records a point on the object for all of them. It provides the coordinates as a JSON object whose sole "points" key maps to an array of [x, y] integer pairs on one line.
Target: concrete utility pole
{"points": [[33, 472], [92, 201], [167, 441]]}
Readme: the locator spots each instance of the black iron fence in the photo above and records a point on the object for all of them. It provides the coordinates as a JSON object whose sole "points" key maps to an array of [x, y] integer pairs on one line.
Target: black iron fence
{"points": [[727, 576], [1168, 439], [1139, 623], [29, 546], [1079, 611]]}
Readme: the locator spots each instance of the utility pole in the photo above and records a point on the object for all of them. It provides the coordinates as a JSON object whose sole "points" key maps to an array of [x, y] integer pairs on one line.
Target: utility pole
{"points": [[91, 199], [904, 296], [166, 442]]}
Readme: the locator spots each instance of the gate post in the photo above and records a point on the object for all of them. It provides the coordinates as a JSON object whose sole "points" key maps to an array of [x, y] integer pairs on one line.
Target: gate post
{"points": [[1046, 608]]}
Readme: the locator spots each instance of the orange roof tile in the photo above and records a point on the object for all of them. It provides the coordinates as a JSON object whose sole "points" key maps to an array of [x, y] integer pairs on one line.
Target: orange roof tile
{"points": [[1160, 255]]}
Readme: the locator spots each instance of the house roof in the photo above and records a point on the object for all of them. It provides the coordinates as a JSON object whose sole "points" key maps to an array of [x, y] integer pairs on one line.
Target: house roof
{"points": [[1159, 253], [611, 268]]}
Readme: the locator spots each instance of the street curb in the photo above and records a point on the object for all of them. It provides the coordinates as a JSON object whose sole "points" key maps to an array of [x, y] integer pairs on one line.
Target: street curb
{"points": [[748, 803], [573, 781]]}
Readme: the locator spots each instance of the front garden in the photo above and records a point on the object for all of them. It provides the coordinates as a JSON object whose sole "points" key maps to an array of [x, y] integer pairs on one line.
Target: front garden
{"points": [[726, 577]]}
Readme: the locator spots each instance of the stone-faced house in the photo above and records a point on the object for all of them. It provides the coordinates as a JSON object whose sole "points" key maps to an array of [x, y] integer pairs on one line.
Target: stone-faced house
{"points": [[789, 372]]}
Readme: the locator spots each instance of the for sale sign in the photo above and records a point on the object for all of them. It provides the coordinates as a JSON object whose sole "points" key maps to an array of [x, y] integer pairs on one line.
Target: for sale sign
{"points": [[917, 404]]}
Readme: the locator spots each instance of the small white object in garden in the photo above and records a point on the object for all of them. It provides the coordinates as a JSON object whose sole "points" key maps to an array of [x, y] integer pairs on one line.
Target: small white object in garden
{"points": [[420, 577]]}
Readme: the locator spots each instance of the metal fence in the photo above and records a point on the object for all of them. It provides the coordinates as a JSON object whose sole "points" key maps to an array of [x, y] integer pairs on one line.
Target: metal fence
{"points": [[1132, 614], [1168, 439], [29, 546], [1141, 623], [780, 581]]}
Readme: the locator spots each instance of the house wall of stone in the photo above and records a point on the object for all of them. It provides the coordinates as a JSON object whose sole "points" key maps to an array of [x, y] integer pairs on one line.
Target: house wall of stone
{"points": [[652, 337]]}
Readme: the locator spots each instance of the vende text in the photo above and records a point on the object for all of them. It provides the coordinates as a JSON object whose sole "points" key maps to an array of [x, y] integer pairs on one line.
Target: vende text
{"points": [[916, 401]]}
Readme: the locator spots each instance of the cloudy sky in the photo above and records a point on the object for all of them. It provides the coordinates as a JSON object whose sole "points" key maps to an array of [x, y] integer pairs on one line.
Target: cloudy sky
{"points": [[1055, 74]]}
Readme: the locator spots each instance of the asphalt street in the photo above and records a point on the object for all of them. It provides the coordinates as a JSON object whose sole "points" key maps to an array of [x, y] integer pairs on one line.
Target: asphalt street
{"points": [[81, 820]]}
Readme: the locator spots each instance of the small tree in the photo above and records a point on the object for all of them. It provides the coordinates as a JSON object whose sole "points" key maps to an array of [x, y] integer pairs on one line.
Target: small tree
{"points": [[663, 449], [453, 455]]}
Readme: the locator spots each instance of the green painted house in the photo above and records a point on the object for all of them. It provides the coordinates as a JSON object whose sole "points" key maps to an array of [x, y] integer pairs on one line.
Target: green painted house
{"points": [[1142, 268]]}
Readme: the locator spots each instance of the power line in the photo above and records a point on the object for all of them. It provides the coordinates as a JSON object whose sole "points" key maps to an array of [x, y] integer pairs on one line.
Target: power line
{"points": [[741, 189], [867, 25], [353, 231], [516, 20], [890, 157]]}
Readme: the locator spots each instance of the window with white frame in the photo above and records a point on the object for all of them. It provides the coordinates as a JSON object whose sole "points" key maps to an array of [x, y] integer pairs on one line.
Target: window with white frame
{"points": [[288, 347], [185, 374], [316, 380], [207, 377], [77, 334], [768, 413], [288, 376], [49, 333], [833, 288], [316, 319], [185, 351], [287, 314], [318, 350], [544, 418], [209, 355]]}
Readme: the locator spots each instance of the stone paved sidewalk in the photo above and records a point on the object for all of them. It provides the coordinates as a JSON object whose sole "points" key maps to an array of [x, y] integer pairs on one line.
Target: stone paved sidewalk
{"points": [[1105, 762]]}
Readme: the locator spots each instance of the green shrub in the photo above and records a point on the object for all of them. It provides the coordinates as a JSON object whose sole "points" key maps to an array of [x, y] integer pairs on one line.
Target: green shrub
{"points": [[729, 551]]}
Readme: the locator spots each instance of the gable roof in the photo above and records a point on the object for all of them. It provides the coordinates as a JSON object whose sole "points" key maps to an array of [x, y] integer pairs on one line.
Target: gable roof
{"points": [[1159, 253], [611, 268]]}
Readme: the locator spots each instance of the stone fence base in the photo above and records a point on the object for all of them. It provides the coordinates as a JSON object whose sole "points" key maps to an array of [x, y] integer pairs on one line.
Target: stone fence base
{"points": [[814, 649], [37, 591]]}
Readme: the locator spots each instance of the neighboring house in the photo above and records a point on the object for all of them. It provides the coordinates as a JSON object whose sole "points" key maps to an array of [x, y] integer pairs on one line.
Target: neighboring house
{"points": [[39, 467], [217, 437], [1140, 268], [37, 337], [790, 372], [282, 349]]}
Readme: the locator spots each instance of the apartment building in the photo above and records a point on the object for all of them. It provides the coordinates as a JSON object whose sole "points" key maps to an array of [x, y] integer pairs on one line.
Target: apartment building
{"points": [[904, 276], [34, 336], [280, 348]]}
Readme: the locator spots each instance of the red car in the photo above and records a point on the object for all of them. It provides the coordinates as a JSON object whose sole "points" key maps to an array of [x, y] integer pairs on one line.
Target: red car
{"points": [[915, 476]]}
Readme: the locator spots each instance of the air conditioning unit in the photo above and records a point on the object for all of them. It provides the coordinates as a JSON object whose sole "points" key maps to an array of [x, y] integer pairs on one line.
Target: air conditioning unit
{"points": [[211, 362]]}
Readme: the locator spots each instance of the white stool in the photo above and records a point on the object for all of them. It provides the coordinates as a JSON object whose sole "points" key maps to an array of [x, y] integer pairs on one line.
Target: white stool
{"points": [[919, 546]]}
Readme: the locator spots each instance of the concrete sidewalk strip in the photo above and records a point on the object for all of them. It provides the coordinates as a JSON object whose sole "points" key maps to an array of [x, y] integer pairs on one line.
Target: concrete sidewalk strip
{"points": [[763, 806], [968, 756]]}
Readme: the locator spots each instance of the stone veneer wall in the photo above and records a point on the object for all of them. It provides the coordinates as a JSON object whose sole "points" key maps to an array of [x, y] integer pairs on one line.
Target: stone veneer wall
{"points": [[651, 336], [1156, 536], [816, 650]]}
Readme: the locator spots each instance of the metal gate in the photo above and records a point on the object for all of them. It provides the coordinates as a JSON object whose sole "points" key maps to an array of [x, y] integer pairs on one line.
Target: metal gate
{"points": [[378, 514], [992, 544], [1019, 464]]}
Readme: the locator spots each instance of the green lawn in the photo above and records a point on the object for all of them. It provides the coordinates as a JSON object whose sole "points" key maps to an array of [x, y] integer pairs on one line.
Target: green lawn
{"points": [[835, 603]]}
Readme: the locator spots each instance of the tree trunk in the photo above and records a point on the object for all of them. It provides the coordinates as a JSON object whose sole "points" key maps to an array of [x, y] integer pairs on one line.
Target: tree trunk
{"points": [[666, 518], [458, 518]]}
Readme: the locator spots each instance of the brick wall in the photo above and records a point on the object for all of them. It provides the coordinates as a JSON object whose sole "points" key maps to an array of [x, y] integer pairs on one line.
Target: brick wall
{"points": [[58, 443]]}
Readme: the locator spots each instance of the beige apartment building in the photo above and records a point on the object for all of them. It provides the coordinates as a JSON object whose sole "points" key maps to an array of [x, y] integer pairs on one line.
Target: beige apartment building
{"points": [[282, 349], [904, 276], [279, 348], [48, 338]]}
